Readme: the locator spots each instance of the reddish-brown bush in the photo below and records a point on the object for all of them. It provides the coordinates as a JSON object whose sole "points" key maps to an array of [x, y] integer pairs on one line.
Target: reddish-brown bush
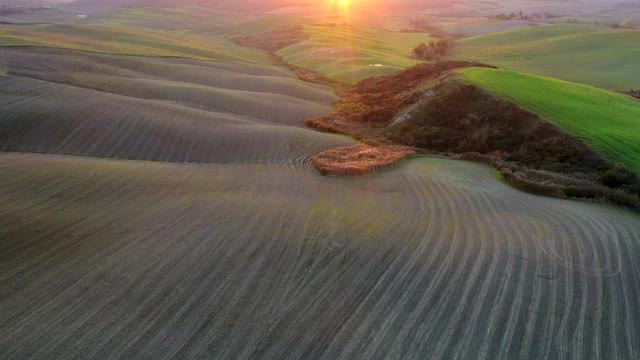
{"points": [[360, 160]]}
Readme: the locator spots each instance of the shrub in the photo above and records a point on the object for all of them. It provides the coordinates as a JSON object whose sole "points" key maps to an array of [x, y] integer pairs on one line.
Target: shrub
{"points": [[358, 160], [434, 50], [617, 177], [377, 114], [626, 24]]}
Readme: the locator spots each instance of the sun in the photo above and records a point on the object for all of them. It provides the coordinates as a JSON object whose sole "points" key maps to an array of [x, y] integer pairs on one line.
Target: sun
{"points": [[343, 3]]}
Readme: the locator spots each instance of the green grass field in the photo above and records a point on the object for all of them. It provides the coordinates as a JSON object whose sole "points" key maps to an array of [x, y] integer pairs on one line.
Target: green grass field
{"points": [[481, 26], [603, 57], [253, 27], [127, 41], [606, 121], [350, 54]]}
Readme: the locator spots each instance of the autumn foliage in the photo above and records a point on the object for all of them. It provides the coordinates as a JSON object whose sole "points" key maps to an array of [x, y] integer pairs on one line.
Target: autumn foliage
{"points": [[360, 159]]}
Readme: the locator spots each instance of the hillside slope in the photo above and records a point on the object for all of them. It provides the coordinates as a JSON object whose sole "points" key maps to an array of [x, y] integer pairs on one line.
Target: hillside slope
{"points": [[349, 54], [179, 18], [122, 259], [126, 41], [67, 102], [608, 122], [597, 56]]}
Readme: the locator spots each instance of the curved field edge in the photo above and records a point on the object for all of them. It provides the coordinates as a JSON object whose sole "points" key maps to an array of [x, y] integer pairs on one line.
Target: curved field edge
{"points": [[158, 109], [125, 41], [350, 54], [606, 121], [64, 65], [437, 259]]}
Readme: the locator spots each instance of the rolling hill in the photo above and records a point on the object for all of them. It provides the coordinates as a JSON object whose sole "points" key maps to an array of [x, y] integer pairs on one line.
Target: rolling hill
{"points": [[256, 26], [482, 26], [181, 18], [42, 16], [127, 41], [606, 121], [347, 53], [158, 201], [124, 259], [173, 110], [602, 57]]}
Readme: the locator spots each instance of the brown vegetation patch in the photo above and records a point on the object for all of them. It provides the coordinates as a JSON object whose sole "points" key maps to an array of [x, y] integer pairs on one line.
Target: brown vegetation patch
{"points": [[368, 133], [438, 112], [377, 100], [634, 93], [462, 118], [585, 185], [365, 109], [531, 153], [434, 50], [453, 119], [360, 159]]}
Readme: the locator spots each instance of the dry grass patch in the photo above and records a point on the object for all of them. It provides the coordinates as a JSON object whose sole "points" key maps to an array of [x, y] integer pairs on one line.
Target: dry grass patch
{"points": [[360, 159]]}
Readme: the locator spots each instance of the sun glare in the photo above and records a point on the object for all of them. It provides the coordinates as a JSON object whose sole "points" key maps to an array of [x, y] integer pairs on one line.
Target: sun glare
{"points": [[343, 3]]}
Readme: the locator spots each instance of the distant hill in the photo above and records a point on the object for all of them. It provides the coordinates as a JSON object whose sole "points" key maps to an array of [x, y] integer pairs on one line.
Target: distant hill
{"points": [[9, 3], [592, 55], [12, 3], [349, 53], [124, 41], [183, 18], [253, 5], [628, 5]]}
